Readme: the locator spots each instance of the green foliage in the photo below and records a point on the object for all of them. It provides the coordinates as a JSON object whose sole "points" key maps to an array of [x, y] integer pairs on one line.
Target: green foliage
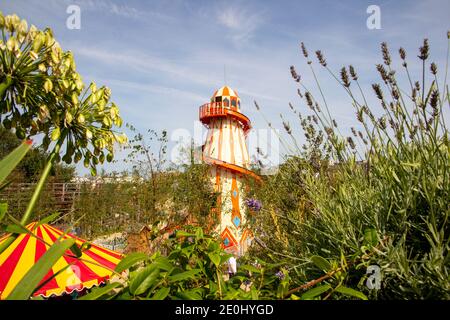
{"points": [[314, 292], [41, 93], [152, 193], [98, 292], [192, 192], [195, 268], [131, 260], [33, 163], [321, 263], [377, 197], [351, 292], [8, 163], [333, 209]]}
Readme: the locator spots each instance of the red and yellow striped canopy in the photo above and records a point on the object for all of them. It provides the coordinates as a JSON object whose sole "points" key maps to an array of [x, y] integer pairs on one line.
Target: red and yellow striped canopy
{"points": [[92, 268]]}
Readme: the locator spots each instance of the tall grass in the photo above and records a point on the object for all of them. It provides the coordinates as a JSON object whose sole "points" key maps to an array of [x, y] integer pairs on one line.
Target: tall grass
{"points": [[377, 197]]}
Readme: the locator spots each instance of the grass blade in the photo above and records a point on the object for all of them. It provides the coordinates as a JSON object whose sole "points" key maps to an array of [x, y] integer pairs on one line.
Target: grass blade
{"points": [[8, 163]]}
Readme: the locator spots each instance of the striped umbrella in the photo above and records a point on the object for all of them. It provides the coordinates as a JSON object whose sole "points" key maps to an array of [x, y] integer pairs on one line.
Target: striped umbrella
{"points": [[92, 268]]}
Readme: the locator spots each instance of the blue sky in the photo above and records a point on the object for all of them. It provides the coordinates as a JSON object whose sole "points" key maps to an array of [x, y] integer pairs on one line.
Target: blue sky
{"points": [[163, 59]]}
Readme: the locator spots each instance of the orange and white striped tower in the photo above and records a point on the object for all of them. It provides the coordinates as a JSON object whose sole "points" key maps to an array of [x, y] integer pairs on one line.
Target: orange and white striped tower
{"points": [[226, 151]]}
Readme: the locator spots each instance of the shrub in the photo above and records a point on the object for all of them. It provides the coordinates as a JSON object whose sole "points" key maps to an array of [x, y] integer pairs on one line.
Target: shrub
{"points": [[381, 198]]}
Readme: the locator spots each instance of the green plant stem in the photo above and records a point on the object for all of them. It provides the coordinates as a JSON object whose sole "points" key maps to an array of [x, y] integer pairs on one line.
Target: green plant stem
{"points": [[218, 282], [36, 193], [41, 183], [5, 85], [423, 79]]}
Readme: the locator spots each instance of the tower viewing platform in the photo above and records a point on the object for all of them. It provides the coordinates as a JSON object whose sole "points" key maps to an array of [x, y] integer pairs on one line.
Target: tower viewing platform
{"points": [[212, 110]]}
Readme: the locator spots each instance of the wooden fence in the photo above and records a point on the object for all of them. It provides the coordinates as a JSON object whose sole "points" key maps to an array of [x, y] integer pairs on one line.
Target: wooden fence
{"points": [[61, 196]]}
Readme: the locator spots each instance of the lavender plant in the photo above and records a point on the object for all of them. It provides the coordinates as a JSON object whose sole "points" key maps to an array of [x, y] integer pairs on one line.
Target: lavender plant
{"points": [[377, 197]]}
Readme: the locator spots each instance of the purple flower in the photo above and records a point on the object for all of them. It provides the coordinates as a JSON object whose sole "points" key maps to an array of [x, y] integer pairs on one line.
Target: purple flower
{"points": [[253, 204], [280, 275]]}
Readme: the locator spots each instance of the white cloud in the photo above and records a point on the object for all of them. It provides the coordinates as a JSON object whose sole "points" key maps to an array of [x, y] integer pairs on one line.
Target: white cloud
{"points": [[229, 18], [107, 6], [184, 72], [114, 8], [240, 22], [155, 89]]}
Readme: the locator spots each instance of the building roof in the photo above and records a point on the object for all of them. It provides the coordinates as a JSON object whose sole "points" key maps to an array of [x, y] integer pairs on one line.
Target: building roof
{"points": [[225, 91]]}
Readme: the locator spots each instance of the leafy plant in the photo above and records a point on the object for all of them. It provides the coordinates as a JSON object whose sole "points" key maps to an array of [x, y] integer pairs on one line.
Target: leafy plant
{"points": [[376, 197], [40, 92], [195, 268]]}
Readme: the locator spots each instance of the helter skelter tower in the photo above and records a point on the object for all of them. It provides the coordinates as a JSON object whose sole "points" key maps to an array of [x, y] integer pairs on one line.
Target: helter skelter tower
{"points": [[226, 151]]}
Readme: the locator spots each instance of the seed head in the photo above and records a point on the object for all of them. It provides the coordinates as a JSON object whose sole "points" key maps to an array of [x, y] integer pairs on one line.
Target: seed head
{"points": [[402, 53], [353, 73], [344, 77], [321, 59], [256, 105], [377, 89], [294, 74], [434, 99], [309, 100], [386, 54], [383, 72], [424, 50], [417, 85], [393, 124], [395, 94], [359, 115], [433, 68], [287, 127], [382, 123], [351, 143], [317, 107], [305, 52]]}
